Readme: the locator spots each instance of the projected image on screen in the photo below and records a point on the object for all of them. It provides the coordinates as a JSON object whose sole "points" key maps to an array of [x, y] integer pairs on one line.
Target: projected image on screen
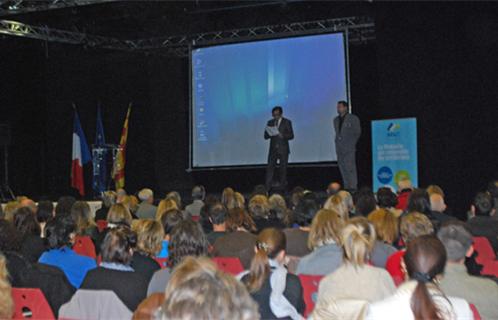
{"points": [[235, 86]]}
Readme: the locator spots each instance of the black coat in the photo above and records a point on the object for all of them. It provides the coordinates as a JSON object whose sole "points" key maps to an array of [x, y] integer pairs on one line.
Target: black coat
{"points": [[280, 145]]}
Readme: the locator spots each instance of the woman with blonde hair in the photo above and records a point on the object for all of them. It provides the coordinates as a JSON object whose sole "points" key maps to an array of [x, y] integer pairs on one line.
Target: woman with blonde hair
{"points": [[175, 196], [324, 240], [164, 206], [336, 204], [118, 215], [10, 209], [150, 234], [386, 229], [279, 210], [6, 302], [346, 292], [82, 216], [278, 293], [259, 209], [240, 201]]}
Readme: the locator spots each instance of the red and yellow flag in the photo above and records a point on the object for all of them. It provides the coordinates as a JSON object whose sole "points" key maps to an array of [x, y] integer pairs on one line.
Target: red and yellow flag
{"points": [[118, 171]]}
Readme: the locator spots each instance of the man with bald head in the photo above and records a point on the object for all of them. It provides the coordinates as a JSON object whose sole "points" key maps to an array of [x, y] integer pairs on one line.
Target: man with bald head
{"points": [[333, 188], [26, 202]]}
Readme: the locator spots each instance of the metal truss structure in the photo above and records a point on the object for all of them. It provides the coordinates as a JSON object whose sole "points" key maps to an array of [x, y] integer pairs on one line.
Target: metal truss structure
{"points": [[11, 7], [360, 30]]}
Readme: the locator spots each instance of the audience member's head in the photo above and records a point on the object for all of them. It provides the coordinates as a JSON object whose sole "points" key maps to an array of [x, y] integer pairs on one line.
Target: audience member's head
{"points": [[25, 222], [437, 202], [425, 258], [385, 224], [175, 196], [6, 301], [64, 205], [386, 198], [120, 193], [45, 211], [198, 192], [457, 241], [169, 220], [336, 204], [28, 203], [259, 206], [228, 198], [150, 234], [413, 225], [239, 220], [60, 232], [165, 205], [364, 202], [270, 244], [435, 189], [218, 214], [146, 195], [358, 238], [404, 185], [10, 209], [306, 208], [118, 214], [240, 201], [483, 205], [296, 195], [118, 245], [134, 203], [326, 228], [347, 199], [278, 208], [198, 290], [187, 239], [108, 198], [333, 188], [82, 216], [419, 201]]}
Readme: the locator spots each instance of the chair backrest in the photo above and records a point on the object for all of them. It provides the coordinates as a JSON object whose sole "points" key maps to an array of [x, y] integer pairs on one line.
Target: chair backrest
{"points": [[476, 314], [484, 249], [310, 287], [230, 265], [490, 268], [30, 303], [83, 245], [163, 262], [101, 225]]}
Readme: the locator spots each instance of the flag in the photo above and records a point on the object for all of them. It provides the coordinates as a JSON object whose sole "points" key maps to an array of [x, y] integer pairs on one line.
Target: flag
{"points": [[81, 155], [99, 157], [119, 163]]}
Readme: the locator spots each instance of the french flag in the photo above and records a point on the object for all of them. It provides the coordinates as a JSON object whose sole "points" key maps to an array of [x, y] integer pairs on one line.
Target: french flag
{"points": [[81, 156]]}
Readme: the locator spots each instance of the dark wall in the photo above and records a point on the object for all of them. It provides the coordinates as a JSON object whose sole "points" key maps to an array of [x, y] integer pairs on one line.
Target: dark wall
{"points": [[433, 61]]}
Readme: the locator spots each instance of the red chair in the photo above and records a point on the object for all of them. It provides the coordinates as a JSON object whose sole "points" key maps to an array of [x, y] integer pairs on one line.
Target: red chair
{"points": [[101, 225], [163, 262], [83, 245], [30, 303], [310, 287], [476, 314], [196, 218], [230, 265], [490, 268], [484, 250]]}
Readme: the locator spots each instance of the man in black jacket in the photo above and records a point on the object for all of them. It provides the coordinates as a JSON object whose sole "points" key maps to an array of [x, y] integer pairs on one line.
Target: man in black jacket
{"points": [[279, 131]]}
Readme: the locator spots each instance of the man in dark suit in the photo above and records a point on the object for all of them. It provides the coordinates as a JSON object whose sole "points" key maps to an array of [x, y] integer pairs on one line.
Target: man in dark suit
{"points": [[279, 145]]}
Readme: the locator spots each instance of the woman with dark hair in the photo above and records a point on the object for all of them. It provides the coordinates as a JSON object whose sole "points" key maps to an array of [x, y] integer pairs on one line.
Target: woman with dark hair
{"points": [[32, 245], [60, 237], [187, 239], [306, 209], [364, 202], [419, 201], [64, 205], [420, 297], [115, 273], [387, 199], [278, 293]]}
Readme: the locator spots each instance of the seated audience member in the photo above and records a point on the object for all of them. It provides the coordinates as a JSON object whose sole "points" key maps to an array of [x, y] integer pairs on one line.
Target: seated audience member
{"points": [[435, 189], [481, 292], [404, 190], [222, 296], [198, 195], [228, 198], [306, 208], [118, 215], [239, 241], [209, 201], [6, 302], [412, 225], [386, 229], [419, 201], [28, 203], [364, 202], [483, 220], [44, 213], [32, 244], [324, 240], [333, 188], [64, 205], [387, 199], [345, 293], [60, 237], [175, 196], [347, 200], [134, 204], [146, 209], [278, 293], [82, 216], [336, 204], [150, 235], [164, 206], [240, 201], [279, 210], [420, 297], [296, 195], [187, 239], [108, 199], [217, 215], [438, 208], [120, 194], [115, 273], [9, 210], [168, 220], [259, 209]]}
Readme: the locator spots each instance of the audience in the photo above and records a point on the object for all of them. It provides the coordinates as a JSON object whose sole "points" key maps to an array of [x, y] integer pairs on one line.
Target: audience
{"points": [[387, 199], [483, 219], [279, 210], [438, 208], [108, 200], [481, 292], [82, 216], [259, 209], [239, 241], [146, 208], [420, 297], [175, 196], [324, 240], [187, 239], [32, 245], [278, 293], [168, 220], [60, 237], [6, 302], [228, 198], [198, 195], [386, 228], [419, 201], [150, 235], [336, 204], [115, 273], [165, 205], [333, 188], [217, 215], [364, 202], [345, 293]]}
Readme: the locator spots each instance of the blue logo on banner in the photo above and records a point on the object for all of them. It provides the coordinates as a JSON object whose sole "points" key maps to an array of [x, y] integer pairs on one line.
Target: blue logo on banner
{"points": [[385, 175], [393, 129]]}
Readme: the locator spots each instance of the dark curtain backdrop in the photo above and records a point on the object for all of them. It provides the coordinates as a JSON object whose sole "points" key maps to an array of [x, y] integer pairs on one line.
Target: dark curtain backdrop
{"points": [[436, 62]]}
